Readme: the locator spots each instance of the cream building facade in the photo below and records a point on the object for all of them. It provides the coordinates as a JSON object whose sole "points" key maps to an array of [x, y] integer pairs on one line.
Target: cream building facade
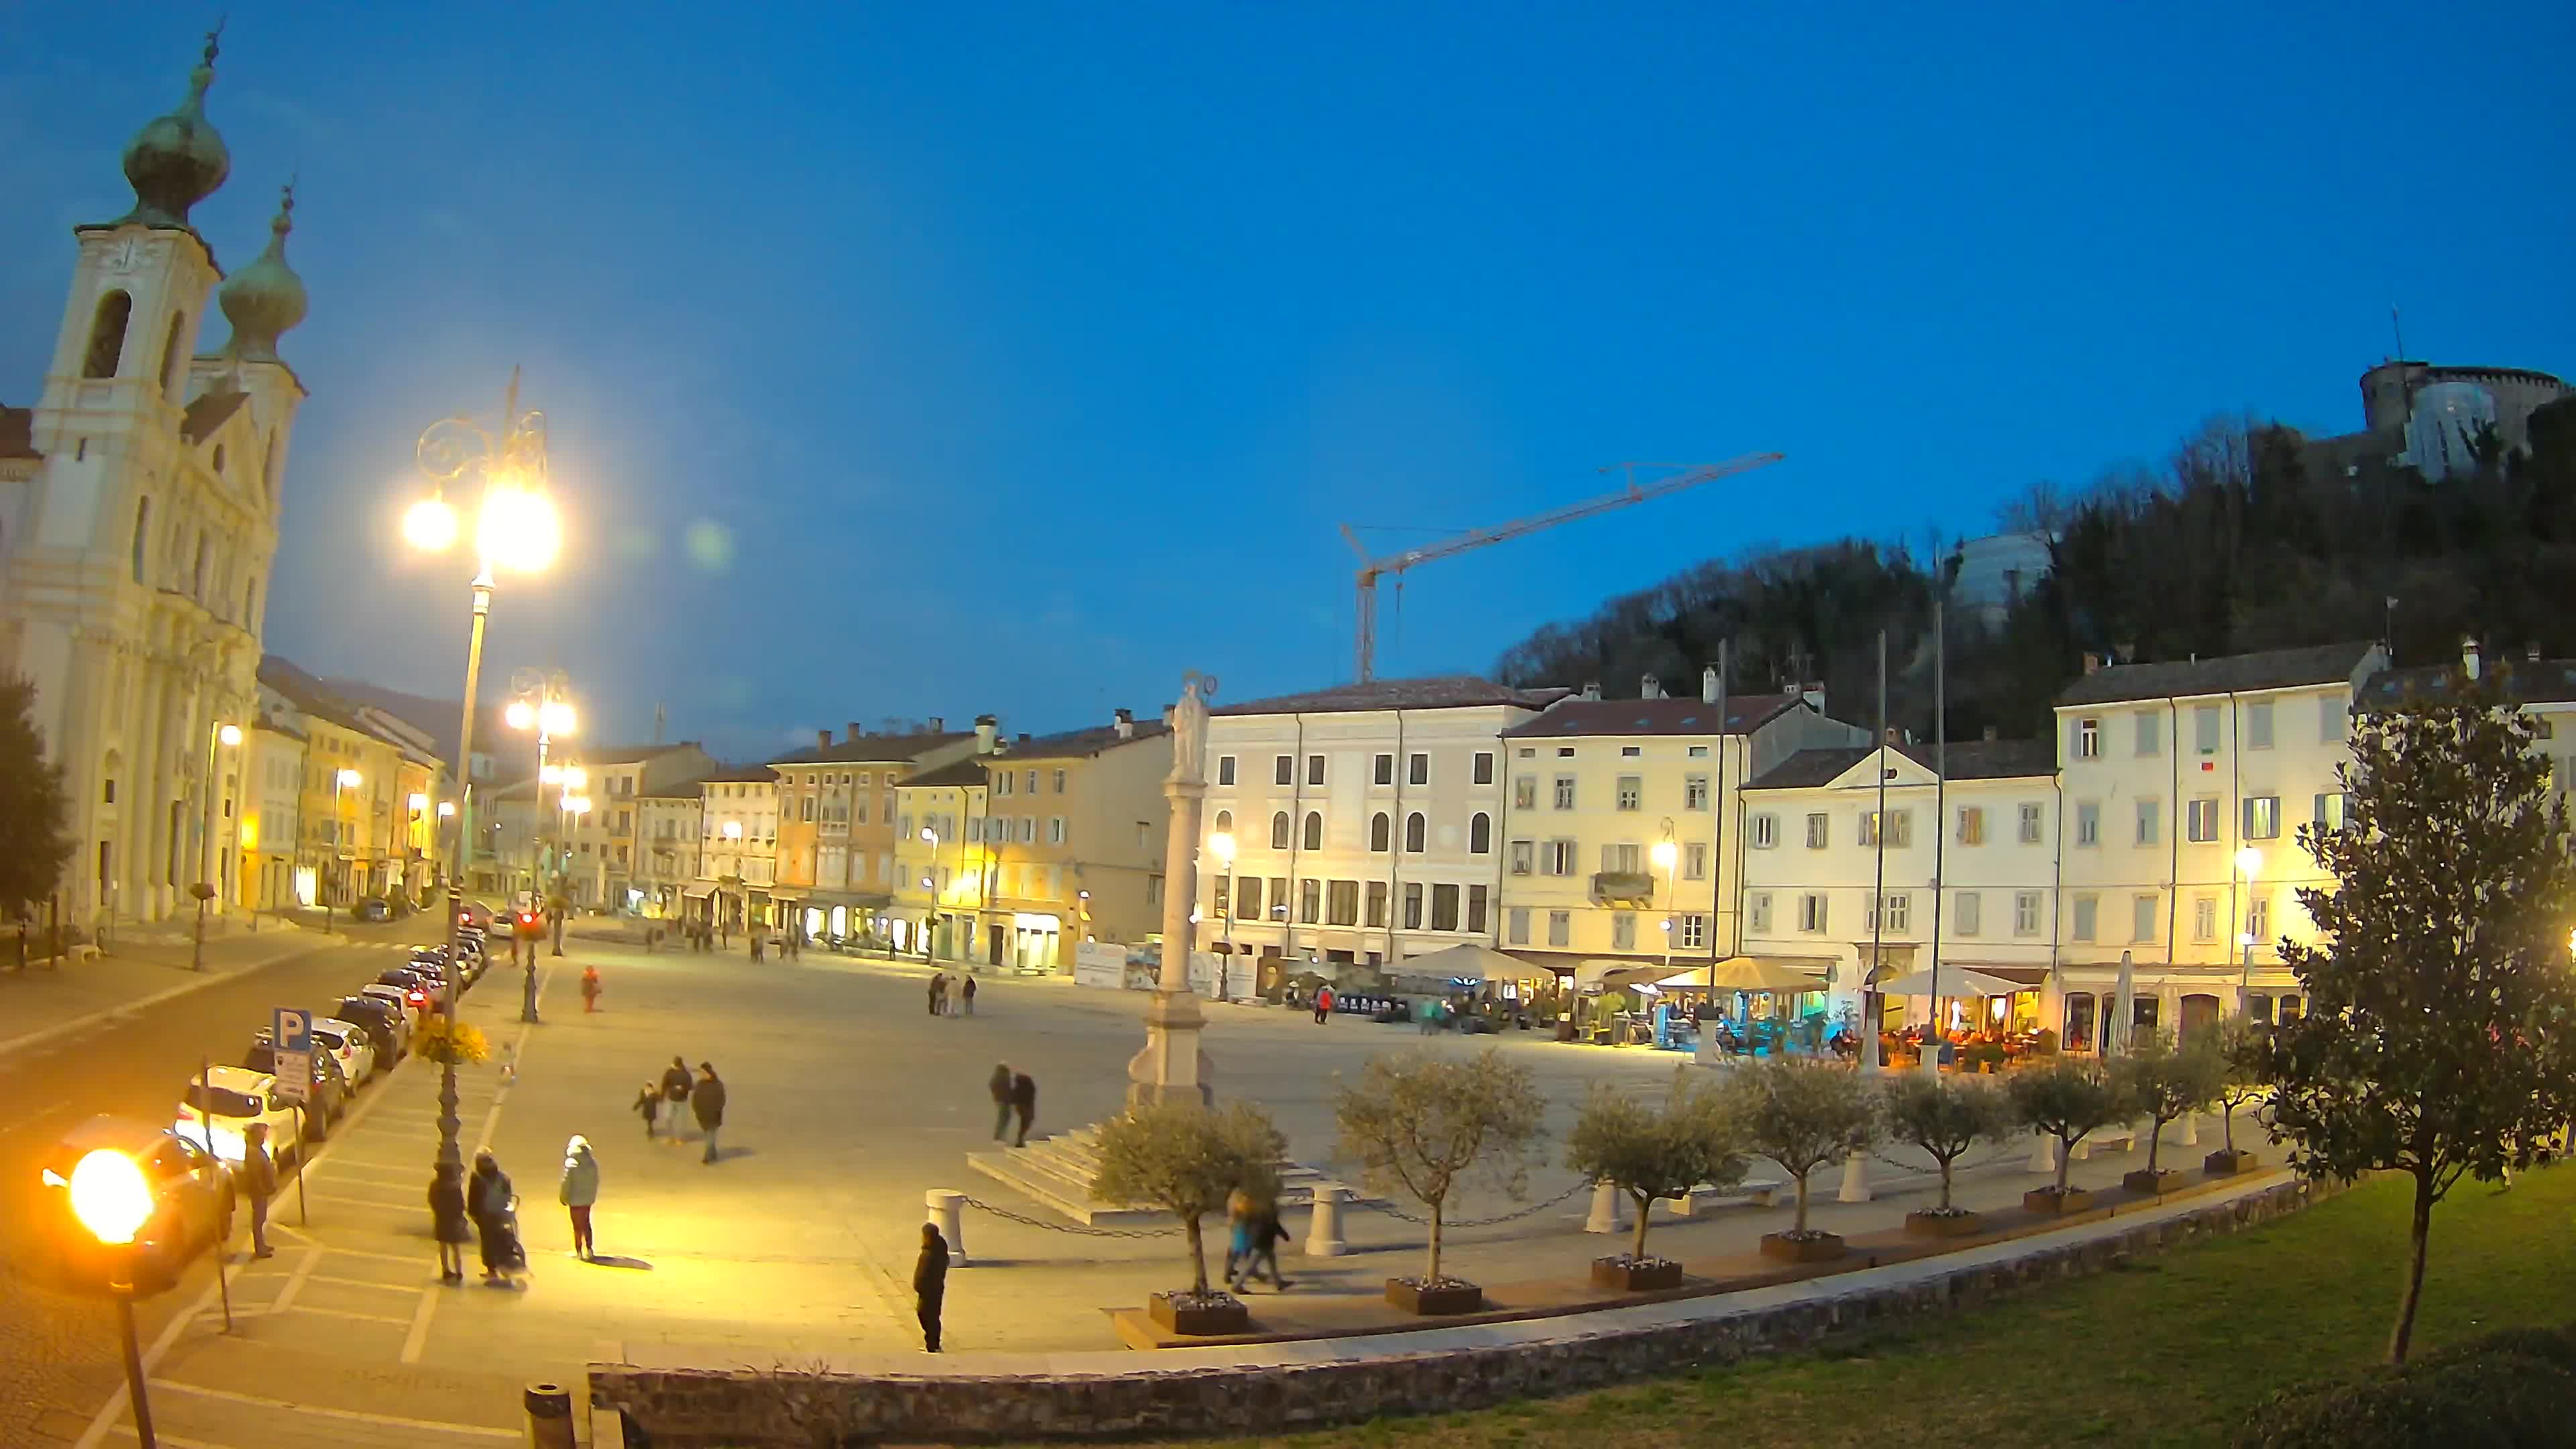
{"points": [[1072, 837], [139, 500], [738, 846], [940, 885], [1598, 786], [836, 825]]}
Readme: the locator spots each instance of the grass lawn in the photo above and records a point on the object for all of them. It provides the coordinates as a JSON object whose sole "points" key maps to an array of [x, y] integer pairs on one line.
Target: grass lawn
{"points": [[2170, 1351]]}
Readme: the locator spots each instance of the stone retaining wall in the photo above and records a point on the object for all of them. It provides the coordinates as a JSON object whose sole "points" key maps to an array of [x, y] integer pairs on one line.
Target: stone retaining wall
{"points": [[745, 1409]]}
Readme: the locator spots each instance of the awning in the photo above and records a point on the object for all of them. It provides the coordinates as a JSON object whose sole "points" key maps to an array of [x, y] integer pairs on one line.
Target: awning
{"points": [[1956, 981], [698, 890], [1469, 962], [1759, 973]]}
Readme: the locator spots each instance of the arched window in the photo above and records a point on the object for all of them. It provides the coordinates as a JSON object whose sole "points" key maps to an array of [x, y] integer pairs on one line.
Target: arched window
{"points": [[142, 535], [170, 357], [107, 335], [1381, 831], [1314, 830], [219, 460], [1279, 830], [1413, 832], [1480, 834], [1224, 818]]}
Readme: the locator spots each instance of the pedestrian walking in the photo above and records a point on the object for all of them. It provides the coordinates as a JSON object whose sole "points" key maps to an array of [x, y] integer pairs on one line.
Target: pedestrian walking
{"points": [[966, 994], [589, 989], [675, 1090], [930, 1284], [759, 938], [1430, 1018], [1000, 1087], [707, 1101], [447, 1221], [1323, 1004], [938, 990], [491, 1202], [1266, 1235], [259, 1184], [648, 1105], [1024, 1101], [578, 1191], [1238, 1237]]}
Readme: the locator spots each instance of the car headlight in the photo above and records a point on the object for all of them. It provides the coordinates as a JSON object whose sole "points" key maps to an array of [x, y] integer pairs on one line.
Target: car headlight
{"points": [[55, 1179]]}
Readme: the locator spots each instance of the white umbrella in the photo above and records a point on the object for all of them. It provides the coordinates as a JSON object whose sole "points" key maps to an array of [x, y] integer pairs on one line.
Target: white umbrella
{"points": [[1956, 981], [1751, 973], [2115, 1032]]}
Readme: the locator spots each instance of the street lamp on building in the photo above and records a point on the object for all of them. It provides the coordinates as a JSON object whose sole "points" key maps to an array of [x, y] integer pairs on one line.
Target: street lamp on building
{"points": [[1223, 844], [113, 1202], [210, 869], [1664, 855]]}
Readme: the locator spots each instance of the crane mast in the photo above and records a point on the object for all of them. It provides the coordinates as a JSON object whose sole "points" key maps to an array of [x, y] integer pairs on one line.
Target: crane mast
{"points": [[1373, 569]]}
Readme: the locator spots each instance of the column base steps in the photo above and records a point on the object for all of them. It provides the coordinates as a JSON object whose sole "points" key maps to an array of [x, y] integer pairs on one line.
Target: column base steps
{"points": [[1057, 1171]]}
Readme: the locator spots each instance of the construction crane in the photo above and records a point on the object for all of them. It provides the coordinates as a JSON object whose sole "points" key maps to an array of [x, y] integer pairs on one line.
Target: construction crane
{"points": [[1373, 569]]}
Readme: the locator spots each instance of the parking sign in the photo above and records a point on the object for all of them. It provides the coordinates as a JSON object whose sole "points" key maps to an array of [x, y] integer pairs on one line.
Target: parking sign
{"points": [[292, 1030]]}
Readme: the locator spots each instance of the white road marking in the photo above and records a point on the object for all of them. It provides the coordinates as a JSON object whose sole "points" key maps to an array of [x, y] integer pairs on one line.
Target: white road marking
{"points": [[345, 1415], [370, 1202], [343, 1313], [295, 1281], [30, 1119], [173, 1440], [418, 1338], [380, 1287]]}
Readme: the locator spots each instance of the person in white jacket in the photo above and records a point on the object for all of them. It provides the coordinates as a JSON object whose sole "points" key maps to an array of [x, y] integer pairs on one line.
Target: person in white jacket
{"points": [[579, 1190]]}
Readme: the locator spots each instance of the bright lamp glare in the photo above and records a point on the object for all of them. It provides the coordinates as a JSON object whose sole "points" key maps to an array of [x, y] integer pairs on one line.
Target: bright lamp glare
{"points": [[348, 779], [558, 717], [109, 1196], [1223, 844], [230, 735], [1663, 854], [574, 777], [446, 807], [520, 714], [519, 529], [2249, 860], [430, 525]]}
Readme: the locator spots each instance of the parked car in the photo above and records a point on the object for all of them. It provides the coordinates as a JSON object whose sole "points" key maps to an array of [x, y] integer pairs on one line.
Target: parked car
{"points": [[350, 1045], [389, 1025], [232, 1098], [326, 1097], [373, 908], [192, 1199], [412, 1002]]}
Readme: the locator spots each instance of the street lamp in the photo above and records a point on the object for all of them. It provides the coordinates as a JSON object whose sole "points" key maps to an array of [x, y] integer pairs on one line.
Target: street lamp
{"points": [[2249, 862], [111, 1200], [930, 917], [514, 527], [1664, 854], [540, 701], [1223, 844]]}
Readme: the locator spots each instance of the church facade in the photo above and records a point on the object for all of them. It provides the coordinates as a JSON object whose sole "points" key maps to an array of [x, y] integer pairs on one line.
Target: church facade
{"points": [[139, 505]]}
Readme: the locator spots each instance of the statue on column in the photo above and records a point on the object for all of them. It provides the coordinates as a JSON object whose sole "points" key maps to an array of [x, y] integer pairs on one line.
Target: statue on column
{"points": [[1171, 1067], [1189, 729]]}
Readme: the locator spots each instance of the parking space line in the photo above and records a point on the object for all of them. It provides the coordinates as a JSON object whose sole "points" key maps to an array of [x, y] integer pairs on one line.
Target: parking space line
{"points": [[173, 1440], [343, 1313], [365, 1253], [295, 1281], [370, 1283], [346, 1415], [352, 1201], [417, 1338]]}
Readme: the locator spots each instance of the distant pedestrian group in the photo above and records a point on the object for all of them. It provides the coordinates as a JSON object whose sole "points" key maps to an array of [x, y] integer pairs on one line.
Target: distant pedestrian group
{"points": [[952, 996]]}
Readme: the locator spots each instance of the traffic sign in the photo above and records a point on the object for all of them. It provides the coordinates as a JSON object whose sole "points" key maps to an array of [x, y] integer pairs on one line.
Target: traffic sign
{"points": [[292, 1031]]}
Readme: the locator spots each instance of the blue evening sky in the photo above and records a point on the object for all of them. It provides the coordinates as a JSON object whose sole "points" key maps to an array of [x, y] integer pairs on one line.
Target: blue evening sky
{"points": [[938, 359]]}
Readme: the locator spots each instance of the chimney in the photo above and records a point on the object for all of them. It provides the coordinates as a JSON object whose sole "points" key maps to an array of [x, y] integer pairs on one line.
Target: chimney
{"points": [[822, 739], [1891, 735], [855, 734], [1124, 722], [986, 727], [1708, 685], [2126, 651], [1024, 737], [2092, 663], [1650, 688], [1990, 734], [1592, 689], [2469, 655], [939, 724]]}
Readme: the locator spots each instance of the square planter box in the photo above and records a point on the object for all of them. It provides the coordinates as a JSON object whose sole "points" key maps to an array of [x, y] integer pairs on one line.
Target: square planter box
{"points": [[1218, 1313], [2224, 1163], [1944, 1225], [2045, 1200], [2162, 1180], [1627, 1275], [1451, 1297], [1822, 1248]]}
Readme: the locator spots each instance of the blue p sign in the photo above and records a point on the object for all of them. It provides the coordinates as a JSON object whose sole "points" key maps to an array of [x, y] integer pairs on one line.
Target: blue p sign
{"points": [[291, 1030]]}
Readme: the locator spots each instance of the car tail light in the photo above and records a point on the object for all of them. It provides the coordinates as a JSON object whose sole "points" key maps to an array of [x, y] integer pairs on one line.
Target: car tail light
{"points": [[420, 998]]}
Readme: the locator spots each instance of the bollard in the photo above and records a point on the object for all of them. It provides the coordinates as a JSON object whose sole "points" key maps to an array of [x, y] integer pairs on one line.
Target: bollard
{"points": [[1324, 1229], [2191, 1129], [947, 1213], [549, 1409], [2043, 1154], [1855, 1186], [1606, 1215]]}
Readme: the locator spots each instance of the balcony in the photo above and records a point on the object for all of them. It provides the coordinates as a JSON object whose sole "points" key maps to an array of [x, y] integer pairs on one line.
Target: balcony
{"points": [[1623, 887]]}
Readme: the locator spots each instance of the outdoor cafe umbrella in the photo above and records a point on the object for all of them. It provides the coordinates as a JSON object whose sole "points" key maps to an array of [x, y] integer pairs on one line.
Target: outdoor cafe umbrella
{"points": [[1957, 981], [1752, 973]]}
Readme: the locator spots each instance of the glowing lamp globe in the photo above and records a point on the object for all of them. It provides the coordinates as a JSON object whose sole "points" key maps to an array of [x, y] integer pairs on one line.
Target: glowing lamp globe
{"points": [[230, 735], [519, 529], [520, 714], [430, 525], [109, 1196]]}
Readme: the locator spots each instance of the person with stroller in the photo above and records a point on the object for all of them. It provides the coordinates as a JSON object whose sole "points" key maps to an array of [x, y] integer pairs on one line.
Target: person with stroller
{"points": [[493, 1204]]}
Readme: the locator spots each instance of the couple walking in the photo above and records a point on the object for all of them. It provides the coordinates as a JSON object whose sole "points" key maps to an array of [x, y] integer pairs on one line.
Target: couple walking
{"points": [[1253, 1237], [705, 1096], [1013, 1093]]}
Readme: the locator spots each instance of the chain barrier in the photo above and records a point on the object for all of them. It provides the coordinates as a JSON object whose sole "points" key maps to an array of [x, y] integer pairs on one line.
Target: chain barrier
{"points": [[1392, 1211], [1025, 1220]]}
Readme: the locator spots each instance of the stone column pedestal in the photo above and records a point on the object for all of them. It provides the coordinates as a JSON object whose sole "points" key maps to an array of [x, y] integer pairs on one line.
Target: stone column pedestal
{"points": [[946, 1212], [1855, 1186], [1608, 1215], [1324, 1229], [2043, 1154]]}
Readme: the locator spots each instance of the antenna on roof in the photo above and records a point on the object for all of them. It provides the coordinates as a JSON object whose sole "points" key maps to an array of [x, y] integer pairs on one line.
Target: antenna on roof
{"points": [[2399, 329], [659, 713]]}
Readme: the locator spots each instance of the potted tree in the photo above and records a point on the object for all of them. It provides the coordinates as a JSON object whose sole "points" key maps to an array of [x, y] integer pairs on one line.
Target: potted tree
{"points": [[2068, 1098], [1185, 1158], [2242, 1047], [2163, 1081], [1945, 1116], [1650, 1152], [1801, 1114], [1420, 1124]]}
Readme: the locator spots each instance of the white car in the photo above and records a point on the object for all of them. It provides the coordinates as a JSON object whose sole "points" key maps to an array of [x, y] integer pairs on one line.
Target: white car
{"points": [[349, 1043], [232, 1098], [413, 1011]]}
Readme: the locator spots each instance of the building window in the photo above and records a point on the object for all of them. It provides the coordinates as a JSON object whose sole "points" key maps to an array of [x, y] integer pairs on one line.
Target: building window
{"points": [[1620, 858], [2204, 919], [1310, 900], [2200, 821], [1055, 830], [1314, 830], [2263, 817], [2086, 908], [2142, 918], [1695, 792], [1516, 926], [1811, 913], [1417, 770], [1413, 905], [1480, 834], [2258, 917], [1314, 769], [2333, 808], [1058, 782], [1484, 767], [1153, 888], [1765, 830], [1757, 911], [1476, 898], [2026, 913], [1900, 829], [1623, 931], [1377, 903], [1695, 861], [1283, 770], [2204, 728], [1344, 909], [1899, 913], [1224, 770], [1525, 792], [1224, 821], [1381, 831], [1565, 792], [1383, 769], [1560, 927], [2031, 820], [142, 532], [2149, 823], [1972, 825], [1002, 783], [1220, 905], [1818, 832], [1965, 910], [1444, 908], [2088, 822], [2088, 739], [1631, 792], [2332, 720], [1416, 829], [2258, 725], [1559, 858], [1521, 853], [107, 335], [2150, 731], [1279, 830], [1694, 932], [1630, 752]]}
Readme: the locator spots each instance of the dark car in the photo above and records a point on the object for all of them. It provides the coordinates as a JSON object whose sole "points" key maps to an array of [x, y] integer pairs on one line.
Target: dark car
{"points": [[192, 1200], [373, 1013], [474, 914], [325, 1102], [374, 908]]}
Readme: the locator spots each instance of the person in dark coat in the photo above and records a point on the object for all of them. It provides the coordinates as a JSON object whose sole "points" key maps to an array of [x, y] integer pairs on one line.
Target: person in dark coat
{"points": [[1024, 1101], [447, 1221], [488, 1196], [707, 1100], [930, 1284], [938, 992], [966, 994], [648, 1105], [675, 1090], [1000, 1087], [259, 1184]]}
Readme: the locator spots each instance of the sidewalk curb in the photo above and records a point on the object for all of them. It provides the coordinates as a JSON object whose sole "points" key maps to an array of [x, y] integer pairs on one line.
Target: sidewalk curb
{"points": [[34, 1039]]}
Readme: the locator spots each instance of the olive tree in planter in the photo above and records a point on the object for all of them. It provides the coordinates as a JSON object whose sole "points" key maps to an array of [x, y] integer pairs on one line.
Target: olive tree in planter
{"points": [[2242, 1046], [1801, 1114], [1651, 1151], [2163, 1081], [1945, 1115], [1185, 1158], [2068, 1098], [1420, 1124]]}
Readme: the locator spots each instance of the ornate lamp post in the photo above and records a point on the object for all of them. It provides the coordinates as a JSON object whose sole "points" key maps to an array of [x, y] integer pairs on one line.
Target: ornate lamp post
{"points": [[1222, 843], [540, 701], [515, 527], [111, 1199]]}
